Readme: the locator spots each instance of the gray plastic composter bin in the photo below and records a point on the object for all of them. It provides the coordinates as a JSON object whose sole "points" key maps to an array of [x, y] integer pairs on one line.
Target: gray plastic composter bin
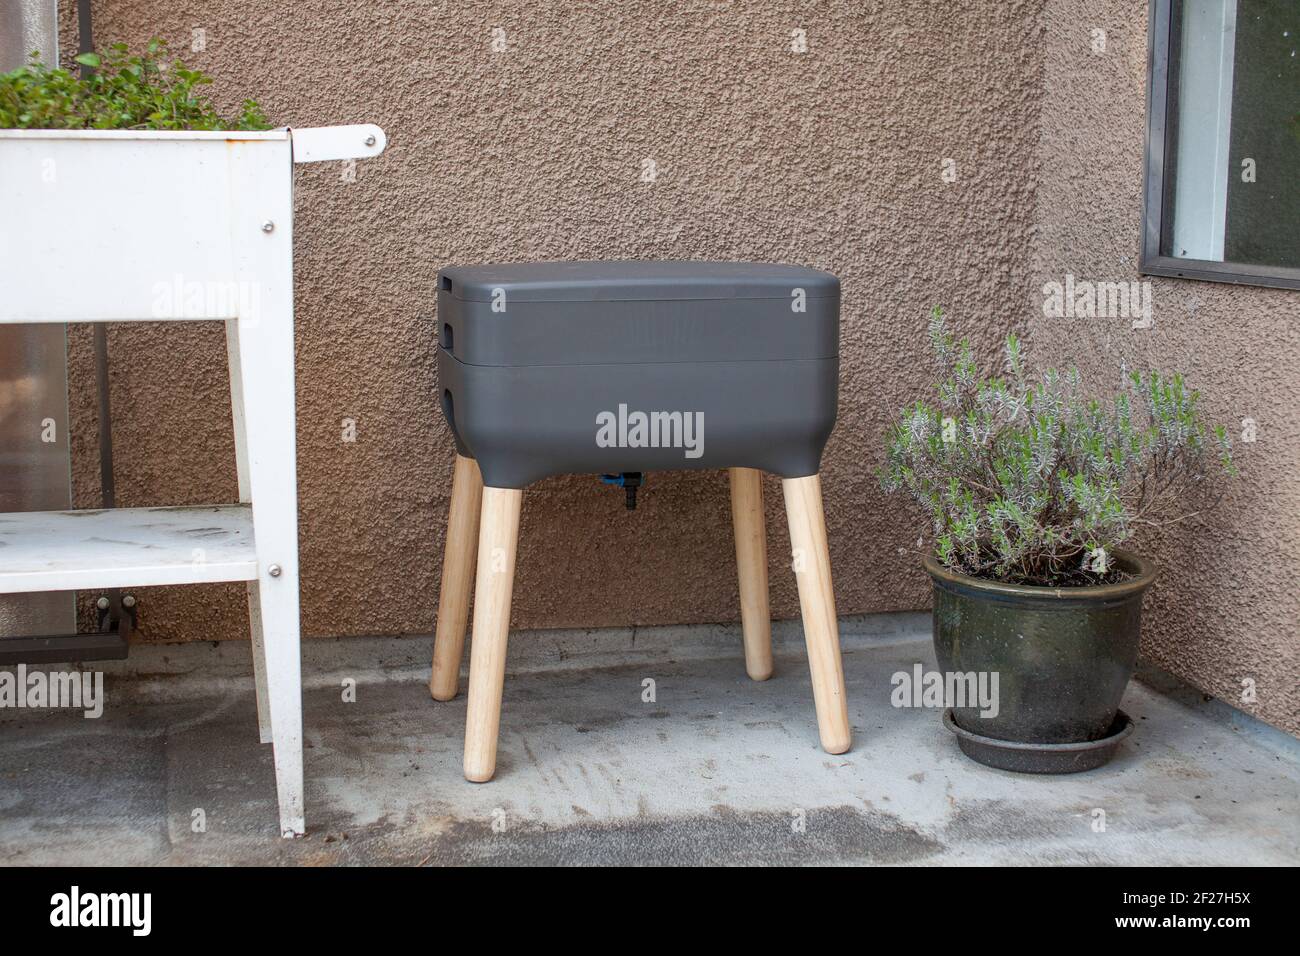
{"points": [[552, 368]]}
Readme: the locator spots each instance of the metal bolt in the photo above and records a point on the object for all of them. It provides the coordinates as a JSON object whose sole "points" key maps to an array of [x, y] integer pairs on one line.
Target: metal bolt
{"points": [[273, 570], [102, 604], [268, 226], [370, 141], [128, 600]]}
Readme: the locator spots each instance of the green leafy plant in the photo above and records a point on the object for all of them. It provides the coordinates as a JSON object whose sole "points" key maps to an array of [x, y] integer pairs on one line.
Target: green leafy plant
{"points": [[120, 92], [1029, 482]]}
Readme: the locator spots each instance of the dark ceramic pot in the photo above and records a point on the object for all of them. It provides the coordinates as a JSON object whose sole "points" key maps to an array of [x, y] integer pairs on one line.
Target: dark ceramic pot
{"points": [[1063, 657]]}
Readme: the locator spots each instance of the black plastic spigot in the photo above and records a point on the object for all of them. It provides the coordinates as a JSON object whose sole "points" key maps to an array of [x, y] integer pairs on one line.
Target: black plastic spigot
{"points": [[630, 481]]}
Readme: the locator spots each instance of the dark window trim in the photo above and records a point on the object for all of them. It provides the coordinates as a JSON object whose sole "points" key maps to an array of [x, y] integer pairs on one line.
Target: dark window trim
{"points": [[1157, 145]]}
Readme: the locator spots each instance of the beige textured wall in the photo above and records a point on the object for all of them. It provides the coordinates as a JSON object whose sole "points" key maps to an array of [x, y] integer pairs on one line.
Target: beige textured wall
{"points": [[830, 159], [1227, 606]]}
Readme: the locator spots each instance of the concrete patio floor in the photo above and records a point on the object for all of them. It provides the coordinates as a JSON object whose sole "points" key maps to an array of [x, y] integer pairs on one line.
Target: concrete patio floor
{"points": [[716, 770]]}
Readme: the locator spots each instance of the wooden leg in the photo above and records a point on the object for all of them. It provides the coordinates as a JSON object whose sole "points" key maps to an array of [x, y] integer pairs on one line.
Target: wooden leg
{"points": [[751, 562], [245, 496], [498, 542], [812, 566], [457, 578], [264, 353], [261, 226], [259, 662]]}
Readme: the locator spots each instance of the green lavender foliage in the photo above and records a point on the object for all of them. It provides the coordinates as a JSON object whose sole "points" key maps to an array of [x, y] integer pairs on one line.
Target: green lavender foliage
{"points": [[1029, 482], [121, 92]]}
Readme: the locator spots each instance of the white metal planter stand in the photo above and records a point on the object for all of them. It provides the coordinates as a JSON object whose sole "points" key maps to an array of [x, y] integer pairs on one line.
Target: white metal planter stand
{"points": [[119, 226]]}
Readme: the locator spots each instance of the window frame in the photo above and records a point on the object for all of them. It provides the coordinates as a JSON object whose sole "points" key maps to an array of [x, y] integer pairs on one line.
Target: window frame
{"points": [[1156, 146]]}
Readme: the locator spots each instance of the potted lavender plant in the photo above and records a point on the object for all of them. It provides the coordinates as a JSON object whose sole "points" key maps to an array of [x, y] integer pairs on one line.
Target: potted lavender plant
{"points": [[1032, 491]]}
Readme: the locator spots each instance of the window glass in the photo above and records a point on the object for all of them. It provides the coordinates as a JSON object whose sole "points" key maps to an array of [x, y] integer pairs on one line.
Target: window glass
{"points": [[1232, 176]]}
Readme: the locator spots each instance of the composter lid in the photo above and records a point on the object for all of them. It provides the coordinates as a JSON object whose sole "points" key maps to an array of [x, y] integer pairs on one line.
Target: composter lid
{"points": [[608, 281], [633, 312]]}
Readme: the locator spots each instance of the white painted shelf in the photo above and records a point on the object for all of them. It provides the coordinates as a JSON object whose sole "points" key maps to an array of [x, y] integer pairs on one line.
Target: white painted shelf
{"points": [[125, 547]]}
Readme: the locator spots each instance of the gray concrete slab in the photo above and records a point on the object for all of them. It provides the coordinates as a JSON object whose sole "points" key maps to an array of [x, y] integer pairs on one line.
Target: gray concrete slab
{"points": [[716, 769]]}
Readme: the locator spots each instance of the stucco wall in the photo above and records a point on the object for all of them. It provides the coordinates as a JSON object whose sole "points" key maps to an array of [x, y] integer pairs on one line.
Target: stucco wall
{"points": [[1226, 607], [830, 158]]}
